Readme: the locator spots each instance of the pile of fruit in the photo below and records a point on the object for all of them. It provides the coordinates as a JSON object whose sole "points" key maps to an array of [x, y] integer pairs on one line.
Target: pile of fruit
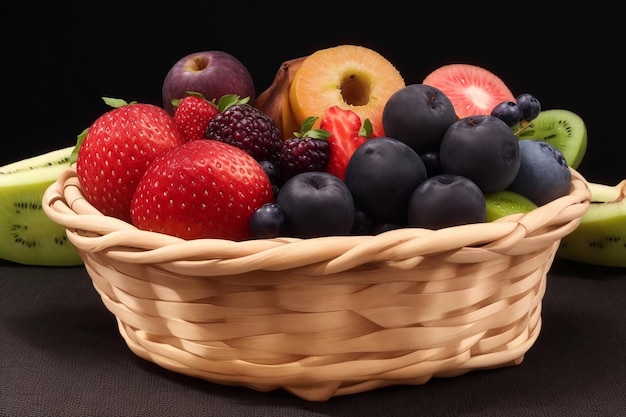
{"points": [[337, 145]]}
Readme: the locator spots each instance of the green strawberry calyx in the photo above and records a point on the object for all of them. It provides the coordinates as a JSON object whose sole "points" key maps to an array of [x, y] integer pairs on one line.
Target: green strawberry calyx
{"points": [[229, 100], [366, 129], [112, 102], [307, 131]]}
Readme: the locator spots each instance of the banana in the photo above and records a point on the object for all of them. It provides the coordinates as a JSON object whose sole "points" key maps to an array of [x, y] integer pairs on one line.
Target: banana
{"points": [[600, 238], [274, 101]]}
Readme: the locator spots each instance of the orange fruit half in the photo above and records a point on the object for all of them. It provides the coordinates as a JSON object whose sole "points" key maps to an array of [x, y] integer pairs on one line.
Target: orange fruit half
{"points": [[350, 76]]}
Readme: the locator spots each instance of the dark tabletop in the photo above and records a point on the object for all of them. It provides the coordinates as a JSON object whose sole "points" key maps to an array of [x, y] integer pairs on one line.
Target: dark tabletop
{"points": [[61, 355]]}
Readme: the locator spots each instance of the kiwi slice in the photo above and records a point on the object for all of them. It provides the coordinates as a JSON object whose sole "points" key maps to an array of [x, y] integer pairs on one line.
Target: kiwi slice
{"points": [[27, 235], [563, 129], [600, 238], [506, 202], [54, 157]]}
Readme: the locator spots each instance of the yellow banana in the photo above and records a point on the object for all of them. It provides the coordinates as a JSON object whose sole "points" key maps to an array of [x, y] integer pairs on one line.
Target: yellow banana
{"points": [[274, 101], [600, 238]]}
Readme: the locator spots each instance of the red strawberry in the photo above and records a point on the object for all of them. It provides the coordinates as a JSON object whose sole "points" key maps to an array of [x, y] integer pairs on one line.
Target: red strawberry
{"points": [[192, 115], [347, 133], [116, 150], [202, 189]]}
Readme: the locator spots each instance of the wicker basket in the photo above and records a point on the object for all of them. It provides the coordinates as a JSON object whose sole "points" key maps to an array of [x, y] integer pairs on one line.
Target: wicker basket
{"points": [[327, 316]]}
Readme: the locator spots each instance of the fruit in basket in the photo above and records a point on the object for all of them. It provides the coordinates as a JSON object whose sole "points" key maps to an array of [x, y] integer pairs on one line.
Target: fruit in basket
{"points": [[483, 149], [563, 129], [381, 175], [347, 133], [600, 238], [274, 101], [530, 106], [543, 173], [505, 202], [509, 112], [242, 125], [473, 90], [349, 76], [28, 236], [446, 200], [192, 114], [431, 160], [316, 204], [212, 73], [418, 115], [306, 150], [116, 150], [268, 221], [201, 189]]}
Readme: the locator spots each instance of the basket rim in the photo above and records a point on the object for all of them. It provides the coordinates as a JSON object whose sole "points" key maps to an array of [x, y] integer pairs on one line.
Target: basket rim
{"points": [[91, 231]]}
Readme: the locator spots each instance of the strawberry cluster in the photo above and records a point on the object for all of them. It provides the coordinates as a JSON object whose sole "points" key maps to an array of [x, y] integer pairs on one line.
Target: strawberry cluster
{"points": [[203, 171]]}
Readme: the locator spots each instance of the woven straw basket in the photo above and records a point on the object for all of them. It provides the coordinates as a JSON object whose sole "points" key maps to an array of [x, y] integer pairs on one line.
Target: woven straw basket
{"points": [[327, 316]]}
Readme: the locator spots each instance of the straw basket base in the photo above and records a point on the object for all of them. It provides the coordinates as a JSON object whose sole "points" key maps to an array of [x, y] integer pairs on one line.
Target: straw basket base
{"points": [[327, 316]]}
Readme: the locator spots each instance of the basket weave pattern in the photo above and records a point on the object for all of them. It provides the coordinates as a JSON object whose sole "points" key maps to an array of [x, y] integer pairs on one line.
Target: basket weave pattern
{"points": [[326, 316]]}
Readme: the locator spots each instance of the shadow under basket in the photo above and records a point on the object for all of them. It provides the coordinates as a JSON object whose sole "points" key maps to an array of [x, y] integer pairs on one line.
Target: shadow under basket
{"points": [[326, 316]]}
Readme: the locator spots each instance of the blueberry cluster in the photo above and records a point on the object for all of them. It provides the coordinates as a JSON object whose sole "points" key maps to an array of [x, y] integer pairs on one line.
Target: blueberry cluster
{"points": [[525, 108]]}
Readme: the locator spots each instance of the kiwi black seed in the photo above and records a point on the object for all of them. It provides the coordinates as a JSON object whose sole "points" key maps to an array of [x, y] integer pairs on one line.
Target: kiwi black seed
{"points": [[27, 235], [562, 129], [505, 202], [54, 157]]}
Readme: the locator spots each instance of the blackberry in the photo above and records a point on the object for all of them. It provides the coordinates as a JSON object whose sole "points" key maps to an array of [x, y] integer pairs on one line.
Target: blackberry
{"points": [[307, 150], [246, 127]]}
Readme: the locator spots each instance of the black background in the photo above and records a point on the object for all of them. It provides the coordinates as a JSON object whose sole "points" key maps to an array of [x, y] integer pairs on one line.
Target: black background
{"points": [[59, 60]]}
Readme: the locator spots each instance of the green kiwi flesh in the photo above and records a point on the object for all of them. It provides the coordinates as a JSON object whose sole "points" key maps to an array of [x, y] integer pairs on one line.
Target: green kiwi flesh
{"points": [[54, 157], [504, 203], [562, 129], [27, 235], [600, 238]]}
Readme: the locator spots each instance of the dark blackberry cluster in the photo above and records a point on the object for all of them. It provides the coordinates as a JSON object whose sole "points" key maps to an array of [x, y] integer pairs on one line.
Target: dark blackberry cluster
{"points": [[248, 128], [307, 150], [304, 154]]}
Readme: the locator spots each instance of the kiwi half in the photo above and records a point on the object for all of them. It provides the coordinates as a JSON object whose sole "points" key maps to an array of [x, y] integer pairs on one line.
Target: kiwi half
{"points": [[563, 129], [600, 238], [27, 235], [504, 203]]}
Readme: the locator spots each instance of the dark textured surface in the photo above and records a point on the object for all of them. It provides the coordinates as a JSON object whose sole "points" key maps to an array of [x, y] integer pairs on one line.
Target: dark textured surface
{"points": [[61, 355]]}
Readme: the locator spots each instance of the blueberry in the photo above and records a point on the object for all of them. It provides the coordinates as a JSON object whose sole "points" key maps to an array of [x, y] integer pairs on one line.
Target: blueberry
{"points": [[381, 175], [363, 223], [483, 149], [418, 115], [431, 160], [543, 173], [272, 171], [509, 112], [385, 227], [315, 204], [530, 105], [446, 200], [267, 221]]}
